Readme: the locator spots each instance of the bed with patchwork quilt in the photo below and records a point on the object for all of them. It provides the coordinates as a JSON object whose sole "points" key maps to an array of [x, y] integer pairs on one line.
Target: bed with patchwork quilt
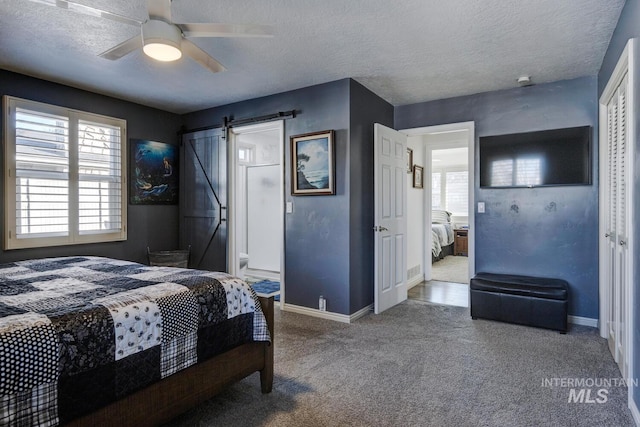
{"points": [[89, 340]]}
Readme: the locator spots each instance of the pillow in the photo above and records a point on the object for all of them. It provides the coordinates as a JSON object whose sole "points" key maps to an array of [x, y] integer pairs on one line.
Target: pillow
{"points": [[440, 216]]}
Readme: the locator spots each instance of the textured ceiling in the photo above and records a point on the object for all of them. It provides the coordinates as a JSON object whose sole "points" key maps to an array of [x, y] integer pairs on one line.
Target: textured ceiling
{"points": [[405, 51]]}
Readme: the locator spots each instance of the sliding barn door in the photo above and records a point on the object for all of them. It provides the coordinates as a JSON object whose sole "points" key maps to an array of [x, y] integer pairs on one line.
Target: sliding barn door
{"points": [[617, 224], [203, 199]]}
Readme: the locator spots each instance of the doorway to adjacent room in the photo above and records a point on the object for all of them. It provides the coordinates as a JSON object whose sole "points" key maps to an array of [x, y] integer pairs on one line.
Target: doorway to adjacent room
{"points": [[256, 199], [440, 259]]}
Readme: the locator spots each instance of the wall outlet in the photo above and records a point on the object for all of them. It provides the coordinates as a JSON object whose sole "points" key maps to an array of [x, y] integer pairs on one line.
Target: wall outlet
{"points": [[322, 304], [289, 207]]}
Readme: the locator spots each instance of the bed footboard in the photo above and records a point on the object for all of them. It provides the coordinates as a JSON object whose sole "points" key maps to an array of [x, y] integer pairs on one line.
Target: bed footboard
{"points": [[174, 395], [266, 373]]}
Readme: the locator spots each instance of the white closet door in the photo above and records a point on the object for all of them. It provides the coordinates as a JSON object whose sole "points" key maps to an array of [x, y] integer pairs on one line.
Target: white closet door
{"points": [[617, 223]]}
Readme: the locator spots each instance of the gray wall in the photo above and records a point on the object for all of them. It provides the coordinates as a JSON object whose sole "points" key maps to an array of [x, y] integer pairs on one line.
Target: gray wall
{"points": [[328, 239], [521, 231], [628, 27], [317, 232], [156, 226], [366, 109]]}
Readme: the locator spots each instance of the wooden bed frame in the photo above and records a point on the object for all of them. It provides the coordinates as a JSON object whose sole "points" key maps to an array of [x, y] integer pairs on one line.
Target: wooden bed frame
{"points": [[174, 395]]}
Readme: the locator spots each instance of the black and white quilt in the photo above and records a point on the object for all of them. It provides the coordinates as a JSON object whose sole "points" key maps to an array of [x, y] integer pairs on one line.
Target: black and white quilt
{"points": [[77, 333]]}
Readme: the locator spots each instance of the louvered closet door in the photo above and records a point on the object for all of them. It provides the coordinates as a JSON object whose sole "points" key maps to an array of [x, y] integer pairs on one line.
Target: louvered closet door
{"points": [[617, 223], [203, 199]]}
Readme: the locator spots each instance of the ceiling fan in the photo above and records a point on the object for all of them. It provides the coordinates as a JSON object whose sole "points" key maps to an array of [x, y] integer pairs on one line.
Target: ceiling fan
{"points": [[162, 39]]}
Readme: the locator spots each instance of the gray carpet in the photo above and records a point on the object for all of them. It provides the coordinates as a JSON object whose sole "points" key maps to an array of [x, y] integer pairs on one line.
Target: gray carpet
{"points": [[420, 364], [451, 269]]}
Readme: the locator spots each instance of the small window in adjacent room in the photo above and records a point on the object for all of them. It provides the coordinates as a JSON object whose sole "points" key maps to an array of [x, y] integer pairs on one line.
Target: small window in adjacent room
{"points": [[246, 154], [65, 181], [450, 191], [436, 190], [457, 192]]}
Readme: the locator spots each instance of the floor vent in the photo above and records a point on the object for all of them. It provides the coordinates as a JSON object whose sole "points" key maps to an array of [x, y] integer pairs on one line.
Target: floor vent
{"points": [[413, 272]]}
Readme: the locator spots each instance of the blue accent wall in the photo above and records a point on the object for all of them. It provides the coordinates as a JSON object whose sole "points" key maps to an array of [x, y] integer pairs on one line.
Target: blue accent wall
{"points": [[366, 109], [328, 239], [629, 27], [155, 226], [327, 251], [550, 231]]}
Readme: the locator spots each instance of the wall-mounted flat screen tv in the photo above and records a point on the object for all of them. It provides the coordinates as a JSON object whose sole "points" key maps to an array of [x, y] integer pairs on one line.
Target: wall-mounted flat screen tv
{"points": [[536, 159]]}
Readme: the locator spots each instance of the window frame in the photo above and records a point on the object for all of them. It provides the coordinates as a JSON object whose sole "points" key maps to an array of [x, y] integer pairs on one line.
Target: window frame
{"points": [[74, 236]]}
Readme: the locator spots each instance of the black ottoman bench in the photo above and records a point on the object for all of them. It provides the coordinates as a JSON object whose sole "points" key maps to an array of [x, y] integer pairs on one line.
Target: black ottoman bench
{"points": [[532, 301]]}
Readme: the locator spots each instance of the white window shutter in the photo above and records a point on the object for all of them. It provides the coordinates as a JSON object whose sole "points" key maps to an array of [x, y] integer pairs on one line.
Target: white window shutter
{"points": [[42, 174], [65, 181]]}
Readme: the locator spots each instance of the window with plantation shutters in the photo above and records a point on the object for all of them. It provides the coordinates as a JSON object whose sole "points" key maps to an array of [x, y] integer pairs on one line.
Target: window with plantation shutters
{"points": [[65, 176], [436, 190], [450, 190], [457, 192]]}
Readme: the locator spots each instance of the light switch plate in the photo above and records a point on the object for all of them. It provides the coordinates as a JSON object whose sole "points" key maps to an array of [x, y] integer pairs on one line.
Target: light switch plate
{"points": [[289, 207], [480, 207]]}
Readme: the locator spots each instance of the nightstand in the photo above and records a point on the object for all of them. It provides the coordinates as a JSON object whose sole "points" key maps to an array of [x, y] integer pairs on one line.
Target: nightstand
{"points": [[460, 242]]}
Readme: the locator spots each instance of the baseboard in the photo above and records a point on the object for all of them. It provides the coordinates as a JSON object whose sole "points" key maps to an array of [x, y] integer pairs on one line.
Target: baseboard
{"points": [[361, 313], [584, 321], [343, 318], [415, 281]]}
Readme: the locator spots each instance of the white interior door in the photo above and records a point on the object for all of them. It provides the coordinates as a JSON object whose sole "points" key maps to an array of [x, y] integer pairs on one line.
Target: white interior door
{"points": [[390, 222], [617, 169], [617, 222]]}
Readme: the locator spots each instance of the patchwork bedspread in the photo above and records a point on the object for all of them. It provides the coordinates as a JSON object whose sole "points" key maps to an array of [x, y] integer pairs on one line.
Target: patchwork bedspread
{"points": [[77, 333]]}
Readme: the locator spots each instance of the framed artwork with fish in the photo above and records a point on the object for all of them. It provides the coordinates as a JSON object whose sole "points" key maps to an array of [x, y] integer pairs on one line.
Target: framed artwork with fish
{"points": [[153, 173]]}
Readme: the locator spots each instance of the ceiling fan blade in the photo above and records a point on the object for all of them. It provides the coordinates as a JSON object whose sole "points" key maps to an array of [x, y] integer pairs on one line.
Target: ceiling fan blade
{"points": [[225, 30], [201, 56], [88, 10], [159, 9], [123, 48]]}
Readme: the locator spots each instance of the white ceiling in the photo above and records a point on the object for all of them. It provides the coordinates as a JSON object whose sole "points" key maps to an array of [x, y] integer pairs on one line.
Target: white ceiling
{"points": [[405, 51]]}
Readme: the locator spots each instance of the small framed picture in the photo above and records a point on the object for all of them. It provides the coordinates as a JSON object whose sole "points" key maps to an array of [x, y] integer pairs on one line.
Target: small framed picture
{"points": [[417, 176], [313, 164], [409, 160]]}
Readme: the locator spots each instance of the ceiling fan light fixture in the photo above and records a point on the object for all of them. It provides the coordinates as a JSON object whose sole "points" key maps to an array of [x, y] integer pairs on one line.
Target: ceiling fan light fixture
{"points": [[161, 40]]}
